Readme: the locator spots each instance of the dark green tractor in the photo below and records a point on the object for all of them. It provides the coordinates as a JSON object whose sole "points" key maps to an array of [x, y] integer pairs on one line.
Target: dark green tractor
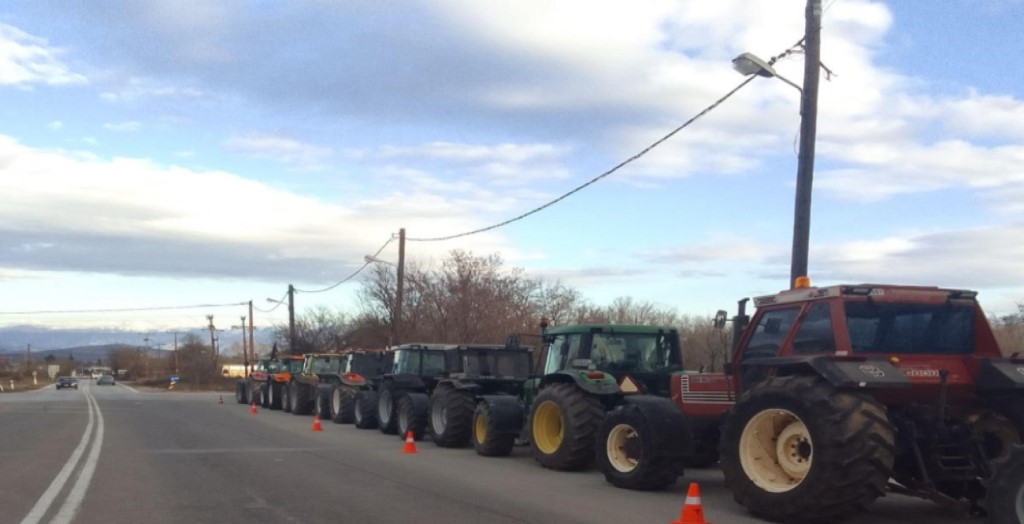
{"points": [[402, 395], [487, 378], [352, 372], [607, 386]]}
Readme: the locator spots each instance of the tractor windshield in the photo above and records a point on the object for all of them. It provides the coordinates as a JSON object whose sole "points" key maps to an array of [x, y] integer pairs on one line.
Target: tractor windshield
{"points": [[326, 365], [910, 328], [409, 361], [632, 352]]}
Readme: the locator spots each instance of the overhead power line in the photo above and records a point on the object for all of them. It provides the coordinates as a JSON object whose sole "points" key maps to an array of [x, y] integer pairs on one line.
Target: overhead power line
{"points": [[350, 277], [595, 179], [121, 310]]}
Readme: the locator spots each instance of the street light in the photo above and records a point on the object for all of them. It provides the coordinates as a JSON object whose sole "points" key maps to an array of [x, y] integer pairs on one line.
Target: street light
{"points": [[370, 259], [748, 64]]}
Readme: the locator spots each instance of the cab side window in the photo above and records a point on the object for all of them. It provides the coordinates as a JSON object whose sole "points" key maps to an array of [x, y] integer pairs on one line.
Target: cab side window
{"points": [[771, 331], [815, 334]]}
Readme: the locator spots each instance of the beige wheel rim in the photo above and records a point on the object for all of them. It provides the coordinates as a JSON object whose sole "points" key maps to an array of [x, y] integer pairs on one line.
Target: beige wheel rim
{"points": [[776, 451], [480, 429], [615, 447], [548, 427]]}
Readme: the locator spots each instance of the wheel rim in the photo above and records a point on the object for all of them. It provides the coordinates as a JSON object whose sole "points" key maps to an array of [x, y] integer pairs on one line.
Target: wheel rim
{"points": [[1020, 504], [776, 450], [621, 448], [403, 421], [336, 401], [480, 429], [439, 417], [548, 427], [359, 411], [998, 434], [384, 407]]}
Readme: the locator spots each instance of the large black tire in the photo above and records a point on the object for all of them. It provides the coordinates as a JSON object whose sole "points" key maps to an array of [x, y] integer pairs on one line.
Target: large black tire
{"points": [[286, 400], [365, 413], [628, 455], [796, 449], [264, 396], [1004, 497], [274, 396], [451, 416], [563, 427], [412, 410], [240, 396], [342, 404], [487, 441], [301, 398], [387, 421], [322, 406]]}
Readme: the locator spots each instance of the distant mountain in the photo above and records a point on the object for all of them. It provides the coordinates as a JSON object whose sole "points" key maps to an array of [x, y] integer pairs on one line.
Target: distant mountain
{"points": [[16, 339]]}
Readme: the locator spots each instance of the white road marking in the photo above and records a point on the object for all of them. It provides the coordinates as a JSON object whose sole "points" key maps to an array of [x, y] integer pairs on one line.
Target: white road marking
{"points": [[77, 494], [47, 498], [129, 388]]}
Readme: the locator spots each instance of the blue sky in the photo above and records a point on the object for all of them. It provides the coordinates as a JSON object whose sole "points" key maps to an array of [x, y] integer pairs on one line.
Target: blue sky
{"points": [[163, 153]]}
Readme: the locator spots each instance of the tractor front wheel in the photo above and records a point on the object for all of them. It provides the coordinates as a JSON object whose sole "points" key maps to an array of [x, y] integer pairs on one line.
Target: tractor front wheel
{"points": [[451, 417], [365, 413], [1004, 497], [386, 419], [487, 441], [300, 401], [286, 400], [563, 427], [628, 456], [343, 399], [411, 410], [795, 449]]}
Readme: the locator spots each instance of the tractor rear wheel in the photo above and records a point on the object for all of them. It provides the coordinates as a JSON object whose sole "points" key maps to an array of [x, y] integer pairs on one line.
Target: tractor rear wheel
{"points": [[387, 422], [343, 403], [486, 440], [1004, 497], [563, 427], [628, 456], [451, 416], [796, 449], [299, 396], [286, 401], [365, 413], [411, 410]]}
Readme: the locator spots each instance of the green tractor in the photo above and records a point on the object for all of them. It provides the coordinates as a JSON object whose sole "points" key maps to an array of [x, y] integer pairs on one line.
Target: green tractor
{"points": [[402, 394], [601, 383]]}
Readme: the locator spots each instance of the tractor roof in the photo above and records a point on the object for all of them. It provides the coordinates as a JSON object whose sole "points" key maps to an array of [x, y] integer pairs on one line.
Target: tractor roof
{"points": [[609, 328], [884, 292]]}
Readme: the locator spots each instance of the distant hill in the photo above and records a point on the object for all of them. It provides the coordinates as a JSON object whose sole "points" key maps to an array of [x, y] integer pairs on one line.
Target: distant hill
{"points": [[43, 340]]}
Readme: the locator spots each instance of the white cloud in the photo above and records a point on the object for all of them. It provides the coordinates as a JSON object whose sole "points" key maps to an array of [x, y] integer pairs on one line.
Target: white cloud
{"points": [[56, 125], [282, 149], [26, 60]]}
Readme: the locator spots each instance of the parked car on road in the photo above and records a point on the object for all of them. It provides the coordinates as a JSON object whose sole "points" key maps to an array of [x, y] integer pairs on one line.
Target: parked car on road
{"points": [[67, 382], [105, 380]]}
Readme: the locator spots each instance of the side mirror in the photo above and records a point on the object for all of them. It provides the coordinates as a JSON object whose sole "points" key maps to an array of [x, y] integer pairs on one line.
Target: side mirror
{"points": [[720, 318]]}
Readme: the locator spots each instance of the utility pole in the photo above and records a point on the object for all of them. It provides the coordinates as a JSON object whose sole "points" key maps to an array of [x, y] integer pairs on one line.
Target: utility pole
{"points": [[245, 349], [291, 320], [252, 340], [808, 130], [175, 353], [396, 324], [213, 340]]}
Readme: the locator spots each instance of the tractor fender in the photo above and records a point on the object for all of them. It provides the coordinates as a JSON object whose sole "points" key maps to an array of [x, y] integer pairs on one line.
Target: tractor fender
{"points": [[463, 385], [420, 402], [350, 381], [601, 386], [506, 412], [1000, 375], [853, 373], [671, 429]]}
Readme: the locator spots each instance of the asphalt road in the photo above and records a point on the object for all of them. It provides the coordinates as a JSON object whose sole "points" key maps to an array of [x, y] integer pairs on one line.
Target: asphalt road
{"points": [[157, 457]]}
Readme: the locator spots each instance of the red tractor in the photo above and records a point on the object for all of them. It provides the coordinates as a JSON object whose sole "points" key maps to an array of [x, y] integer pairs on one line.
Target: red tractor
{"points": [[836, 394]]}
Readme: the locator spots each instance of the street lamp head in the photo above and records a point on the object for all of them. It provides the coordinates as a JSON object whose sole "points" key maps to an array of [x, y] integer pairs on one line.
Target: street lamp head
{"points": [[370, 259], [273, 301], [750, 64]]}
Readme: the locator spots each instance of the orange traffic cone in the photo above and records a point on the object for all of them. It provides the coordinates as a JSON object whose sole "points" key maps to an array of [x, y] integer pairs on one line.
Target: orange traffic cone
{"points": [[316, 423], [693, 512], [221, 401], [410, 444], [252, 409]]}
